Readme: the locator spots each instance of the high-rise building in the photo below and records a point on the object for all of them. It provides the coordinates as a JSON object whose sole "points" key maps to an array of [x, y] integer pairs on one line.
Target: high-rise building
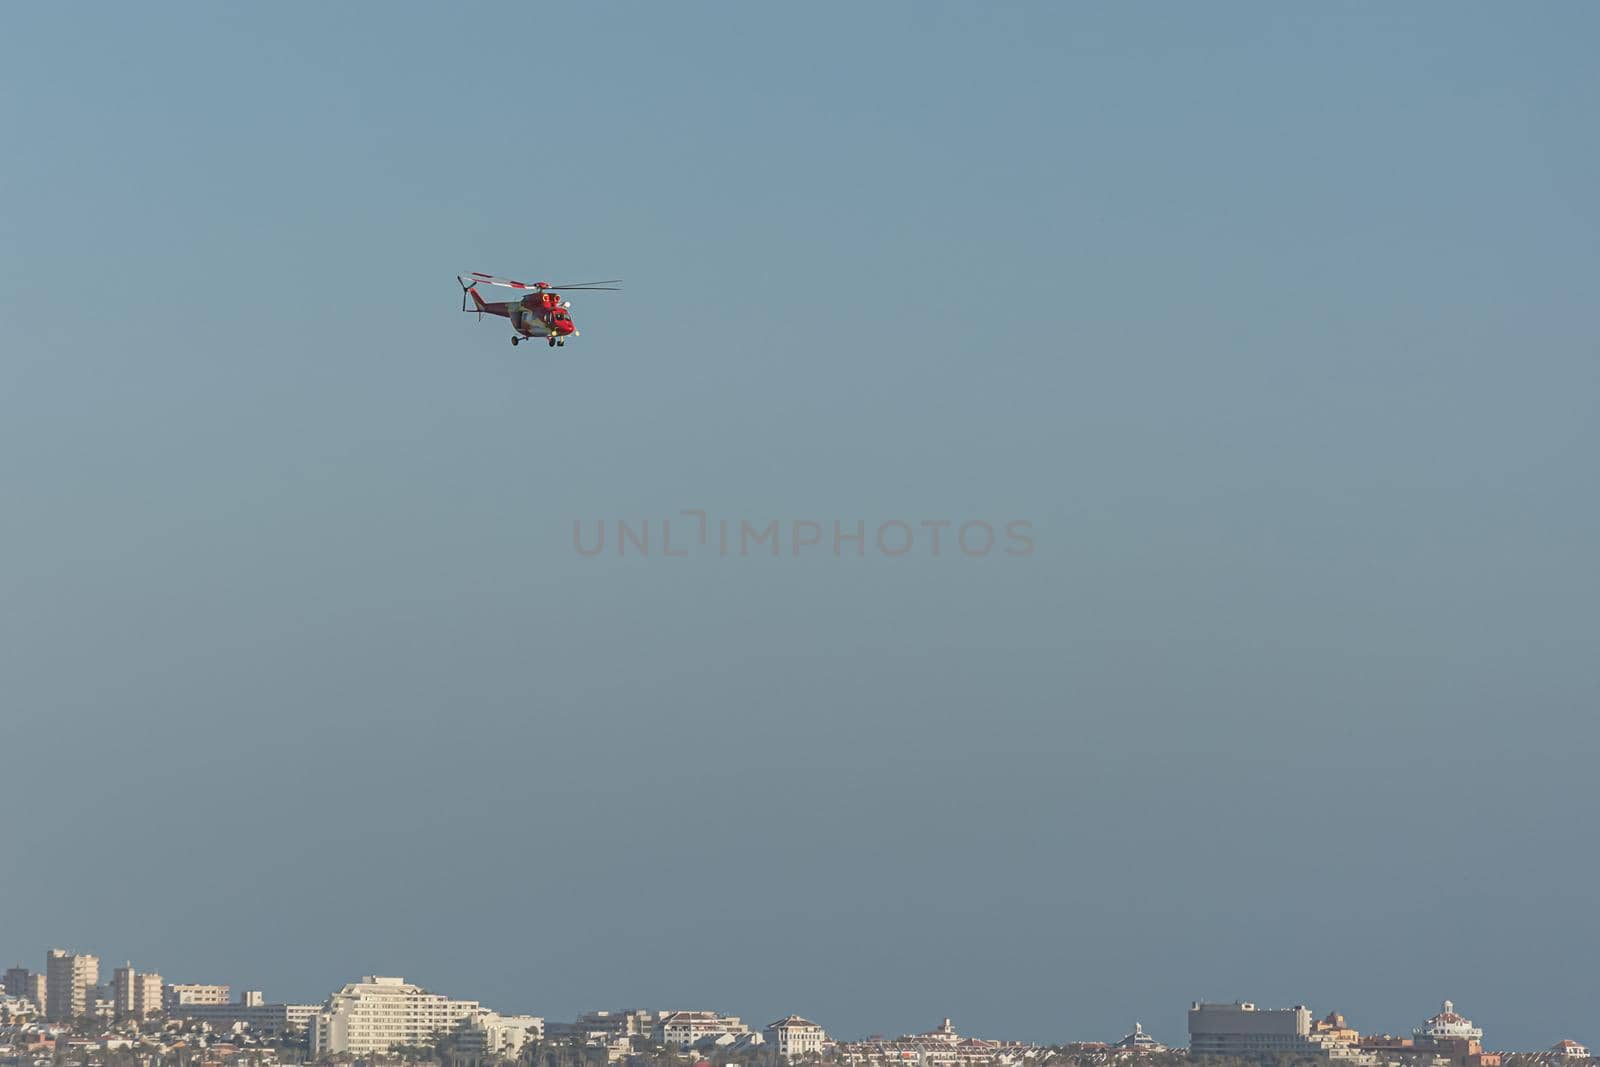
{"points": [[68, 978], [15, 978], [135, 995], [21, 982], [148, 995], [377, 1014], [122, 991]]}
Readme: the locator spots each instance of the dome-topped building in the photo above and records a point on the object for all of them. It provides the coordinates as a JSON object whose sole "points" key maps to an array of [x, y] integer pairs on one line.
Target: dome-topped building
{"points": [[1139, 1041], [1452, 1038], [1448, 1026]]}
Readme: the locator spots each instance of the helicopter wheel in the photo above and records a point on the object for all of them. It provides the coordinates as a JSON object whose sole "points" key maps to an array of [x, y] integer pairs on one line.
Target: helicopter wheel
{"points": [[515, 341], [552, 342]]}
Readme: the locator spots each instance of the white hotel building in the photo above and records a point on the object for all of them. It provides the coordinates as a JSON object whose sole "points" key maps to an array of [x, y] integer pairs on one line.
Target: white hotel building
{"points": [[794, 1038], [376, 1014], [687, 1029], [486, 1038]]}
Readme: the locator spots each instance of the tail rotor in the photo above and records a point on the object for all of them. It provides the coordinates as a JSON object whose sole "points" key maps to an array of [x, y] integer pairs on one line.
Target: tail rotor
{"points": [[467, 287]]}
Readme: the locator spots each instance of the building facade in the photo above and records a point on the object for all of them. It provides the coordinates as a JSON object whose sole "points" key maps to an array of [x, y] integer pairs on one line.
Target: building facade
{"points": [[14, 1009], [135, 995], [252, 1012], [1452, 1039], [21, 982], [1447, 1025], [485, 1038], [180, 995], [686, 1029], [68, 978], [792, 1037], [379, 1013], [608, 1025], [1242, 1029]]}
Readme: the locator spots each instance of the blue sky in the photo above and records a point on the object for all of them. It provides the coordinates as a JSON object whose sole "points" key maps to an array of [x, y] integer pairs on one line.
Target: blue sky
{"points": [[1276, 325]]}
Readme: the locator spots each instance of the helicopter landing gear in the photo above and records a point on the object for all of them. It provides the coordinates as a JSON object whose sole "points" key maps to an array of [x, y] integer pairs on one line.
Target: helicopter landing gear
{"points": [[552, 342], [515, 341], [561, 342]]}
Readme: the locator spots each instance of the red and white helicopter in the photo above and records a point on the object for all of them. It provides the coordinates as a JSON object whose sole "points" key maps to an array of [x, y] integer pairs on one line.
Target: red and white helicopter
{"points": [[542, 313]]}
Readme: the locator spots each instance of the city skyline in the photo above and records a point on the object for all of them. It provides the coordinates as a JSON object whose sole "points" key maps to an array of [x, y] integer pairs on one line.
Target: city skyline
{"points": [[257, 992]]}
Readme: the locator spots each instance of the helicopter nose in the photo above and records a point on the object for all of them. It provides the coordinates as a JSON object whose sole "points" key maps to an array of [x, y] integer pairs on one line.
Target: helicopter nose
{"points": [[566, 327]]}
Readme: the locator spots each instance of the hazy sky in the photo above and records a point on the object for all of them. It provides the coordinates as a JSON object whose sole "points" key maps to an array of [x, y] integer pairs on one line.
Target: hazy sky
{"points": [[1277, 326]]}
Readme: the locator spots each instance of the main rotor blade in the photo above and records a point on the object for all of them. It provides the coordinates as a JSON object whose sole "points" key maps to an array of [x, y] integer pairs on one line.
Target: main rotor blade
{"points": [[489, 279], [607, 284]]}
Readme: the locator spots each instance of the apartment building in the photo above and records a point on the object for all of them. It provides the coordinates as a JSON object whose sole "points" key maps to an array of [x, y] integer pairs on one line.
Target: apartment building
{"points": [[378, 1013], [485, 1038], [21, 982], [686, 1029], [135, 995], [69, 976], [180, 995]]}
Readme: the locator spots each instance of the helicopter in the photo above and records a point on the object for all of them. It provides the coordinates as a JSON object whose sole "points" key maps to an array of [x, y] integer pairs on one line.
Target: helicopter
{"points": [[542, 313]]}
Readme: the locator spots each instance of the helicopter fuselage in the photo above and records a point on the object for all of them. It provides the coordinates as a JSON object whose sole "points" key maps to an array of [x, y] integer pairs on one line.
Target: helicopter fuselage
{"points": [[541, 313]]}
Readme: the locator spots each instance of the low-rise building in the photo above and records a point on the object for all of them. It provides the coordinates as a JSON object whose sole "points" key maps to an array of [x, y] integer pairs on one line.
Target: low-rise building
{"points": [[14, 1009], [486, 1038], [1137, 1041], [179, 995], [688, 1029], [252, 1012], [1452, 1039], [940, 1047], [608, 1025], [792, 1037], [1446, 1039], [1447, 1025]]}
